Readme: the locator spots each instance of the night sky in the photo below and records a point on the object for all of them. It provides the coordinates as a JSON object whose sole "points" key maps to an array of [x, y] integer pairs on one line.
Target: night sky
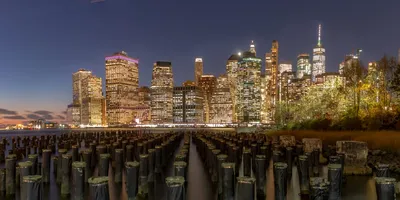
{"points": [[42, 42]]}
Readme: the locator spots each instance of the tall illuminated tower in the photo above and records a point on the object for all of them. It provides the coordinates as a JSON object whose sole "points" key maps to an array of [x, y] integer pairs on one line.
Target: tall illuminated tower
{"points": [[221, 102], [318, 66], [231, 71], [92, 99], [77, 90], [207, 83], [271, 82], [198, 69], [162, 89], [274, 69], [253, 48], [122, 84], [248, 88]]}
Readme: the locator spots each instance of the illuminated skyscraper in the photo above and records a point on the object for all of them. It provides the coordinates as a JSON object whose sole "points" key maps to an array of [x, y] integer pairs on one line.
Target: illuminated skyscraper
{"points": [[271, 82], [253, 48], [348, 60], [198, 69], [285, 66], [142, 110], [74, 115], [303, 65], [162, 89], [264, 101], [221, 102], [207, 84], [92, 97], [248, 88], [231, 71], [122, 83], [77, 87], [188, 105], [318, 66]]}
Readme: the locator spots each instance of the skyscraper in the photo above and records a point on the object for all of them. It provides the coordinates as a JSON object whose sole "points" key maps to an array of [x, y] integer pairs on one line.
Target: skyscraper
{"points": [[73, 115], [92, 97], [122, 83], [348, 61], [264, 101], [248, 88], [221, 102], [207, 84], [198, 69], [303, 65], [142, 113], [271, 82], [285, 66], [162, 89], [318, 66], [253, 48], [77, 88], [188, 105], [231, 71]]}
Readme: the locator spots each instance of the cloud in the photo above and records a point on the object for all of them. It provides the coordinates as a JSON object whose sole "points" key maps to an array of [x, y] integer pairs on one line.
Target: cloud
{"points": [[7, 112], [14, 117], [40, 114], [43, 112], [48, 117], [64, 112], [60, 117], [33, 117]]}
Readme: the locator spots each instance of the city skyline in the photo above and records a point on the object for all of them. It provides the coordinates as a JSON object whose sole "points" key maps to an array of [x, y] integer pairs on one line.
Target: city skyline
{"points": [[40, 64]]}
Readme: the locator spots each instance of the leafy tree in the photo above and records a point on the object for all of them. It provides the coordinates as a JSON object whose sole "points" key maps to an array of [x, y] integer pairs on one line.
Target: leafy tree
{"points": [[395, 82]]}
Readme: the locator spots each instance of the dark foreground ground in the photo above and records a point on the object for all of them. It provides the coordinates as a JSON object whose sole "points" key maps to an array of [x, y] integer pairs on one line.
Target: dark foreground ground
{"points": [[200, 188]]}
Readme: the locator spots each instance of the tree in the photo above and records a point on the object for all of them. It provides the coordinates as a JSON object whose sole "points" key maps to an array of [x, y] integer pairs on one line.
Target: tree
{"points": [[386, 67], [395, 82], [353, 73]]}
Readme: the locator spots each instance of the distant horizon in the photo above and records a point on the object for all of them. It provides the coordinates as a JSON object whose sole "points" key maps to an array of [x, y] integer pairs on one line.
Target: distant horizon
{"points": [[38, 59]]}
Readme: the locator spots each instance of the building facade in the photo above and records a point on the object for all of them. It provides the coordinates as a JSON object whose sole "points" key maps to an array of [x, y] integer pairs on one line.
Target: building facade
{"points": [[77, 88], [198, 69], [292, 88], [92, 98], [285, 81], [318, 66], [189, 83], [122, 83], [348, 61], [231, 72], [142, 112], [188, 105], [162, 89], [73, 115], [303, 65], [271, 82], [207, 83], [248, 89], [285, 66], [221, 102], [329, 79]]}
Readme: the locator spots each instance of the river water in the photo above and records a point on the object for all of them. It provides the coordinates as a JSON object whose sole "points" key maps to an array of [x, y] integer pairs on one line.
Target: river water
{"points": [[199, 184]]}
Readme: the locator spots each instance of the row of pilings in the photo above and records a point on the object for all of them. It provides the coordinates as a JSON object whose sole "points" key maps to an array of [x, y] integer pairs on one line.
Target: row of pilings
{"points": [[237, 165], [83, 160]]}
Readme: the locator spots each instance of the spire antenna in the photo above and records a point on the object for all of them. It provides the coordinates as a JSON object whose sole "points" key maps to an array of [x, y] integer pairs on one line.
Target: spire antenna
{"points": [[319, 35]]}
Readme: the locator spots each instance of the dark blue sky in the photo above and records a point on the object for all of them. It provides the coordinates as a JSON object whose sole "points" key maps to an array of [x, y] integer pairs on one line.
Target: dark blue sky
{"points": [[42, 42]]}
